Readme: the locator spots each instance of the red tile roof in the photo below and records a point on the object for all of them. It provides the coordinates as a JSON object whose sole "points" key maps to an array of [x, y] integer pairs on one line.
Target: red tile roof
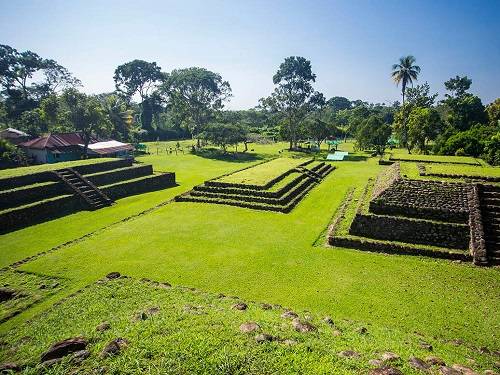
{"points": [[55, 141]]}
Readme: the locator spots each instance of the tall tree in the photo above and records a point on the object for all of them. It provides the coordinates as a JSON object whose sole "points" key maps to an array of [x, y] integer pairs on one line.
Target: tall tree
{"points": [[139, 77], [424, 125], [196, 95], [404, 72], [338, 103], [373, 133], [420, 96], [20, 82], [463, 108], [294, 96], [457, 86], [493, 111], [87, 115]]}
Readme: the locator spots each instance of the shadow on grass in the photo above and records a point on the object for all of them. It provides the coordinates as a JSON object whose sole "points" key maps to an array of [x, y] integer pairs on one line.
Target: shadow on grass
{"points": [[217, 154]]}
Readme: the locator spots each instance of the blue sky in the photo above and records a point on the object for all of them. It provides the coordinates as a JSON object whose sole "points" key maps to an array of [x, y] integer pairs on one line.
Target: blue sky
{"points": [[351, 44]]}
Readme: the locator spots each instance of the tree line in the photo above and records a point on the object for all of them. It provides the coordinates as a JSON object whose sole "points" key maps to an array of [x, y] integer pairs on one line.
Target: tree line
{"points": [[39, 96]]}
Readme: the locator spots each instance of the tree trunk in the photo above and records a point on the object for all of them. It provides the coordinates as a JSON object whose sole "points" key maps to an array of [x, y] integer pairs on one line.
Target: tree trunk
{"points": [[86, 139], [405, 131], [246, 146]]}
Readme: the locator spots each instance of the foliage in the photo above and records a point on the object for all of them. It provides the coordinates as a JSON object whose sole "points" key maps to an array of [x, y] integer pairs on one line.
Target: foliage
{"points": [[338, 103], [373, 133], [405, 72], [424, 124], [26, 79], [120, 116], [493, 111], [463, 109], [224, 134], [492, 149], [196, 95], [457, 86], [420, 96], [86, 114], [10, 155], [139, 77], [470, 142], [318, 126], [294, 96]]}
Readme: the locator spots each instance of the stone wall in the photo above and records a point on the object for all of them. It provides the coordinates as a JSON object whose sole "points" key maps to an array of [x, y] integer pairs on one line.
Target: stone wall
{"points": [[145, 185], [411, 231], [64, 205], [104, 166], [113, 176], [394, 248], [19, 197], [27, 179], [427, 199], [477, 241], [38, 213], [35, 178], [386, 179]]}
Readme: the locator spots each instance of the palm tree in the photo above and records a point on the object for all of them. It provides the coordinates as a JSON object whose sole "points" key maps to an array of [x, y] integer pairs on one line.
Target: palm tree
{"points": [[405, 72]]}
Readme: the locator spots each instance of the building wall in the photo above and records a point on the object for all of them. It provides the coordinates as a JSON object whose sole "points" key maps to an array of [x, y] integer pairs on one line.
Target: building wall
{"points": [[66, 156], [40, 156]]}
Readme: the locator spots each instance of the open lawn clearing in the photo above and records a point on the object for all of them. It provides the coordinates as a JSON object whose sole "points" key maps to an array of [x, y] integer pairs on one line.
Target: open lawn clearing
{"points": [[403, 155], [178, 330], [263, 173], [410, 170], [193, 244], [12, 172], [463, 170]]}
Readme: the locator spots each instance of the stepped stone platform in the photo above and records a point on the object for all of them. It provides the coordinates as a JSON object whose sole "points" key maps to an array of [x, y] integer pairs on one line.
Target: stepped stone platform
{"points": [[281, 193], [34, 198], [485, 225], [433, 218]]}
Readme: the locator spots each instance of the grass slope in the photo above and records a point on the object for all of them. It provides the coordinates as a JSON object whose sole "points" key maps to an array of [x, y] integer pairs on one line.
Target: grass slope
{"points": [[178, 330], [12, 172], [402, 154]]}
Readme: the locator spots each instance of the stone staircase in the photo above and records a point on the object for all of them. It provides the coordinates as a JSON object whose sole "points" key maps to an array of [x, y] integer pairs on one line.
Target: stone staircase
{"points": [[81, 186], [490, 212], [317, 177]]}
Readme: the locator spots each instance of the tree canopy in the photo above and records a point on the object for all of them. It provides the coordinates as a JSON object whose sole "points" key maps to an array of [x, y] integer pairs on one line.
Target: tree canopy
{"points": [[195, 94], [294, 96]]}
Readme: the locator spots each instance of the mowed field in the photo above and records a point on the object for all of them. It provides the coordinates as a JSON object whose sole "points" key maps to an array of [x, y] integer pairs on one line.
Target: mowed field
{"points": [[259, 256]]}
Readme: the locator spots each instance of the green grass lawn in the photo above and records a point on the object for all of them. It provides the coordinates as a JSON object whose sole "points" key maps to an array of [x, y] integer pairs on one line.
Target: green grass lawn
{"points": [[463, 170], [262, 173], [48, 167], [402, 154], [191, 331], [260, 256]]}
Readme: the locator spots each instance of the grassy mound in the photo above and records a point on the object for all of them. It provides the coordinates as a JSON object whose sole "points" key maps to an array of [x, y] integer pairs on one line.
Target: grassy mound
{"points": [[179, 330]]}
